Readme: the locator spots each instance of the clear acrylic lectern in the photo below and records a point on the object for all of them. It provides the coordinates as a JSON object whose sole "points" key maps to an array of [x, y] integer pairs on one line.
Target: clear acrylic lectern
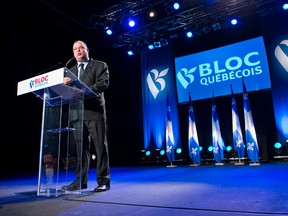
{"points": [[62, 108]]}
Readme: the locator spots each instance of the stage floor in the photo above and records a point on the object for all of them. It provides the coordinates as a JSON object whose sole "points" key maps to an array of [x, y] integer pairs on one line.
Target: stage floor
{"points": [[159, 190]]}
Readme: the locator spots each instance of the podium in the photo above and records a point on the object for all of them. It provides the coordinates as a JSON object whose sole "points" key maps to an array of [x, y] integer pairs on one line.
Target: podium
{"points": [[61, 128]]}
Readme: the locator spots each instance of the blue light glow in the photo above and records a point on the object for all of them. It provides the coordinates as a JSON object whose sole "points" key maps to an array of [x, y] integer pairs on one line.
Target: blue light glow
{"points": [[277, 145], [176, 5]]}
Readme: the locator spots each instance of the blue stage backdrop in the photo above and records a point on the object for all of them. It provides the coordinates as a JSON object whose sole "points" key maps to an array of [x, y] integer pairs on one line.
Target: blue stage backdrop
{"points": [[276, 40], [218, 69], [158, 81]]}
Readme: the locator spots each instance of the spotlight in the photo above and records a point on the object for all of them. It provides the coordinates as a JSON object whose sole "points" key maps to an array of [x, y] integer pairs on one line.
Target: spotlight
{"points": [[108, 30], [152, 13], [176, 6], [228, 148], [145, 155], [131, 23], [130, 52], [234, 21], [280, 148], [178, 150], [172, 7], [148, 153], [150, 46], [277, 145], [210, 149], [228, 152], [189, 34], [178, 154], [285, 6], [159, 155]]}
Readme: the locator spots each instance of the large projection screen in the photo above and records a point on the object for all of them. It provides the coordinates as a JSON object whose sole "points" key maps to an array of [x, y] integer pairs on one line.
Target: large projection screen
{"points": [[216, 70]]}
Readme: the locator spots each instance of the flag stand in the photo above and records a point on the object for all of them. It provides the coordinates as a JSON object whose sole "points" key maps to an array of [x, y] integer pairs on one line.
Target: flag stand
{"points": [[171, 165], [239, 163], [254, 164], [194, 165]]}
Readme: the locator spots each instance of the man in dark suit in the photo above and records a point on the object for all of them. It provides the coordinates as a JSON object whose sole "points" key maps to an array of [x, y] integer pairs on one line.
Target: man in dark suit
{"points": [[95, 75]]}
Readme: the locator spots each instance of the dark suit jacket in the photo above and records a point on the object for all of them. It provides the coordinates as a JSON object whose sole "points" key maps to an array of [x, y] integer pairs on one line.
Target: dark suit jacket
{"points": [[96, 77]]}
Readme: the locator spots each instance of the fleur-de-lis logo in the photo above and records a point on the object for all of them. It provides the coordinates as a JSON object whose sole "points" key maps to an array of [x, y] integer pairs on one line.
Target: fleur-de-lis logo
{"points": [[250, 146], [31, 83], [156, 84], [238, 143], [280, 54], [185, 76], [215, 150], [194, 151], [169, 149]]}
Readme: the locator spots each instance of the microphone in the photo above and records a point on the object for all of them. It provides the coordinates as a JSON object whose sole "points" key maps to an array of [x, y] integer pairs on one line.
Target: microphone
{"points": [[48, 69], [68, 62]]}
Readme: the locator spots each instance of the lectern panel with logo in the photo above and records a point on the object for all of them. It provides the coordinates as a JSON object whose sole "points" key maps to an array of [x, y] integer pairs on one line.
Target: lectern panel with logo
{"points": [[62, 108]]}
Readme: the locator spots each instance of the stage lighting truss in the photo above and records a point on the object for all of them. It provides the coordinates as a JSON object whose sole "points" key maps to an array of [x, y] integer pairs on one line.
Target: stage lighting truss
{"points": [[201, 17]]}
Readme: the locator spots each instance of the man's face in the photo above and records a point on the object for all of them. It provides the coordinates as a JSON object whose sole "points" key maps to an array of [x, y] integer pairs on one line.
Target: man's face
{"points": [[80, 51]]}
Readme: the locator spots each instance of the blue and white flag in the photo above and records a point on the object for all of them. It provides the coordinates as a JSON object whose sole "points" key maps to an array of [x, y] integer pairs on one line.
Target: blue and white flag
{"points": [[251, 139], [218, 143], [236, 128], [193, 142], [169, 134]]}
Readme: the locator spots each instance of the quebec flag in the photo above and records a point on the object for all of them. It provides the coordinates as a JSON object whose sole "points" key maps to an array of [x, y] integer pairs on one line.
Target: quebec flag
{"points": [[218, 144], [169, 134], [236, 128], [251, 139], [193, 142]]}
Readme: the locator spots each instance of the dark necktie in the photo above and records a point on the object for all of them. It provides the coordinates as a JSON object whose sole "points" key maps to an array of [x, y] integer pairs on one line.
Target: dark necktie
{"points": [[81, 70]]}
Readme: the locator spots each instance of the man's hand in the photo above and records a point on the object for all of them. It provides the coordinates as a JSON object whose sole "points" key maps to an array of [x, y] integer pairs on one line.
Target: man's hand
{"points": [[67, 80]]}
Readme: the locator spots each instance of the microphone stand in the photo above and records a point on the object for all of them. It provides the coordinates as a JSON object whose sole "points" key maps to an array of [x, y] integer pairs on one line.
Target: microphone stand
{"points": [[68, 62], [48, 69]]}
